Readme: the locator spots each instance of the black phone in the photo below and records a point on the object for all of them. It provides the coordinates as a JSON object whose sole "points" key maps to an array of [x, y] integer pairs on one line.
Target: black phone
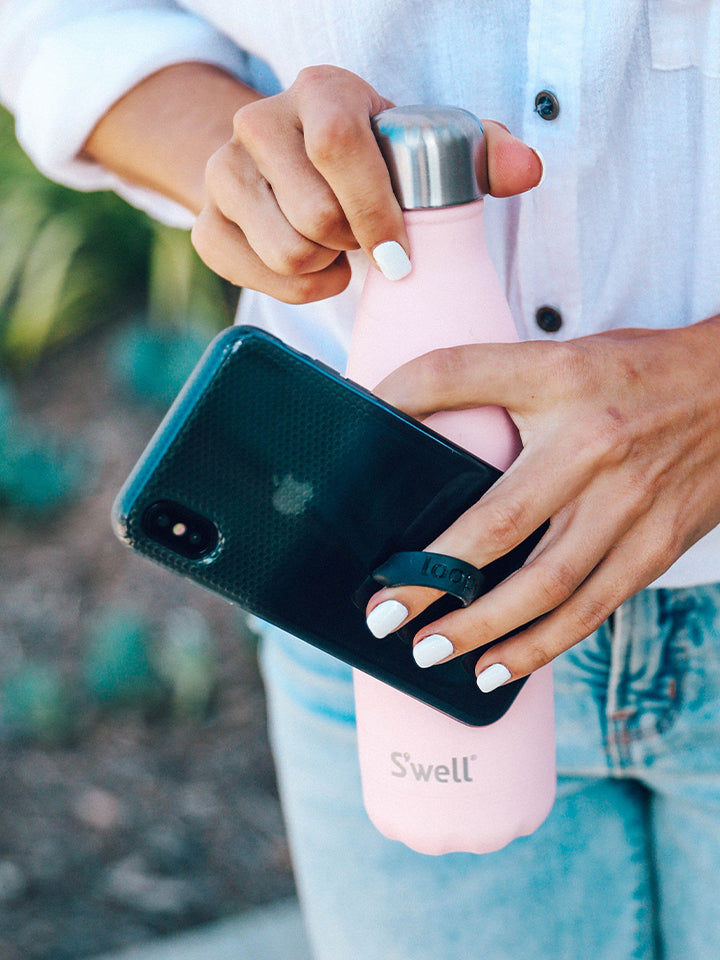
{"points": [[283, 486]]}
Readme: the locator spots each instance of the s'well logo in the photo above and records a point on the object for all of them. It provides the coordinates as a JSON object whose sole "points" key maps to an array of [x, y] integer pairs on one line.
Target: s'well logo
{"points": [[458, 771]]}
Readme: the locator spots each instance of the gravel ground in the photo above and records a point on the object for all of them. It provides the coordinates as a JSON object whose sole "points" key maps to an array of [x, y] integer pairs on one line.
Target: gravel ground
{"points": [[120, 819]]}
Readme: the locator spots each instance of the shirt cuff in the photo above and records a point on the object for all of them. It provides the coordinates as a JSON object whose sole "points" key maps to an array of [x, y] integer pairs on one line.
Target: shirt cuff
{"points": [[79, 69]]}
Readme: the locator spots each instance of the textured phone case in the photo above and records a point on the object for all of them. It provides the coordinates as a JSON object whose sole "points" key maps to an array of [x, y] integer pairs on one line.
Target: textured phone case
{"points": [[312, 484]]}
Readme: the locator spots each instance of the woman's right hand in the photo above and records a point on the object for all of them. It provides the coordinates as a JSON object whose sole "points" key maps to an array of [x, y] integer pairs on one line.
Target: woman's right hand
{"points": [[302, 181]]}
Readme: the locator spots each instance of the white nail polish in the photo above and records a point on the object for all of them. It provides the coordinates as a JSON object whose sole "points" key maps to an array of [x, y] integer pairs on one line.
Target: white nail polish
{"points": [[493, 677], [392, 260], [386, 617], [542, 164], [432, 650]]}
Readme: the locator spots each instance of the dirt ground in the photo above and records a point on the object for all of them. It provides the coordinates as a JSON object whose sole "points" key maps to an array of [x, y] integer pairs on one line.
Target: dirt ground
{"points": [[122, 822]]}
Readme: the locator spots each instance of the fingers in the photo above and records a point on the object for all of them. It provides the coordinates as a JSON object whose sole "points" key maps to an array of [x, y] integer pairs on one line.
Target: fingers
{"points": [[243, 234], [615, 579], [335, 111], [501, 520], [303, 181], [513, 166], [568, 588], [620, 454], [559, 566], [457, 378], [574, 474], [224, 247]]}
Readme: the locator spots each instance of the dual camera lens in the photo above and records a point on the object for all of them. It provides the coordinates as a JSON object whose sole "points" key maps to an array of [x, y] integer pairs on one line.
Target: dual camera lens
{"points": [[180, 529]]}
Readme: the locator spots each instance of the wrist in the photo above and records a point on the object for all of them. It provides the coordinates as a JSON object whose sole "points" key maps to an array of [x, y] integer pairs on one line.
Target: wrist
{"points": [[163, 131]]}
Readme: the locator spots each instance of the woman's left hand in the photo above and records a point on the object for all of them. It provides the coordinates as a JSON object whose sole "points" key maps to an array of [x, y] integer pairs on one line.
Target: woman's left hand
{"points": [[621, 452]]}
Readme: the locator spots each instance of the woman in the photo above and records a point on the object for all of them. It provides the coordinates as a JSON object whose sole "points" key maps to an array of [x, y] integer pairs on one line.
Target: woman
{"points": [[611, 269]]}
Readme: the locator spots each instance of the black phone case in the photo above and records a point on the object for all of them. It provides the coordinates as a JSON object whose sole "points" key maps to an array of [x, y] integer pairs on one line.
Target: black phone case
{"points": [[283, 486]]}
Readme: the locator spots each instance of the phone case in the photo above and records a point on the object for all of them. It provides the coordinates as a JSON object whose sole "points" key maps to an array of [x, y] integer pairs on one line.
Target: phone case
{"points": [[292, 491]]}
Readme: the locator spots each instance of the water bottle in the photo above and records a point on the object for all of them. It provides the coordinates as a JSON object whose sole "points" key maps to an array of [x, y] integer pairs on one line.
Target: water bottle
{"points": [[432, 782]]}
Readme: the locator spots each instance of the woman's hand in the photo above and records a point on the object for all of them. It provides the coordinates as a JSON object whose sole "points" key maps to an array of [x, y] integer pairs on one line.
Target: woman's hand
{"points": [[621, 452], [302, 181], [282, 186]]}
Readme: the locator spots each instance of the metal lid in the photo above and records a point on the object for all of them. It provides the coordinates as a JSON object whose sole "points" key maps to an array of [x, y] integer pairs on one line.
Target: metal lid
{"points": [[433, 154]]}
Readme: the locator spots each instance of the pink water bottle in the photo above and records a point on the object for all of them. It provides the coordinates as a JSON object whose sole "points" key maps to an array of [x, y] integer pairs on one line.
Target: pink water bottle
{"points": [[433, 783]]}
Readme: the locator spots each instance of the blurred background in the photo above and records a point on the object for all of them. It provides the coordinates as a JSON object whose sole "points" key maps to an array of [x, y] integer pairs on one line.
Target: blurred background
{"points": [[137, 795]]}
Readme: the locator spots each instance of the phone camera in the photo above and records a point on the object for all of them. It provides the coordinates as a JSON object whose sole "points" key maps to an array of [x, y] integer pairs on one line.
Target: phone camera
{"points": [[180, 529]]}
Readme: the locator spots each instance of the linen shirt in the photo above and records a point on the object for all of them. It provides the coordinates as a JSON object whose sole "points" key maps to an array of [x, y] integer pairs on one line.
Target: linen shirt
{"points": [[625, 229]]}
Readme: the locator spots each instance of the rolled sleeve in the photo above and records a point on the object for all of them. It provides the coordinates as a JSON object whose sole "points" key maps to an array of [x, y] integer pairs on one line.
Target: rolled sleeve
{"points": [[63, 66]]}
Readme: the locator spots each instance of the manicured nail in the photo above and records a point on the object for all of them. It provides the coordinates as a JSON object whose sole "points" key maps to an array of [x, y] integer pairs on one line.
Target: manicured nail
{"points": [[542, 164], [386, 617], [432, 650], [392, 260], [493, 677]]}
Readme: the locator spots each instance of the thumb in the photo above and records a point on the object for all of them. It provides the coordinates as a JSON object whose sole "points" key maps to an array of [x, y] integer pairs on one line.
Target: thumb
{"points": [[512, 166], [473, 375]]}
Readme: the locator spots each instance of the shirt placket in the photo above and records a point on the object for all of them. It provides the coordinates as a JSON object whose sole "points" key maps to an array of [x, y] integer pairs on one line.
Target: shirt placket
{"points": [[548, 301]]}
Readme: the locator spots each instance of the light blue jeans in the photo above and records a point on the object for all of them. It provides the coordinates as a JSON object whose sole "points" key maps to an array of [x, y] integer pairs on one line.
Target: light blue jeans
{"points": [[628, 864]]}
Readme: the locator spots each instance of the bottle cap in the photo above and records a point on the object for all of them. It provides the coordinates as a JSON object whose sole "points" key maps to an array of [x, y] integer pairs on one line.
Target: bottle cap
{"points": [[433, 154]]}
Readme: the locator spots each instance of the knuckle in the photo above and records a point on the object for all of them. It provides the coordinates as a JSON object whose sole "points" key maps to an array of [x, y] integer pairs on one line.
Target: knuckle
{"points": [[502, 525], [556, 583], [250, 122], [217, 170], [568, 362], [322, 221], [308, 288], [640, 489], [440, 372], [537, 653], [298, 291], [589, 615], [314, 73], [663, 546], [335, 140], [612, 442], [201, 235], [479, 632], [292, 257]]}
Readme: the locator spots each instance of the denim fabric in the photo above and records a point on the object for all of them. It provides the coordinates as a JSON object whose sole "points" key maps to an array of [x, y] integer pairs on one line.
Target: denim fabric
{"points": [[625, 867]]}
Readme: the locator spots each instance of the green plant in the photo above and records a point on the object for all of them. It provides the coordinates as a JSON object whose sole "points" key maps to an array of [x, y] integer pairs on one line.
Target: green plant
{"points": [[70, 259]]}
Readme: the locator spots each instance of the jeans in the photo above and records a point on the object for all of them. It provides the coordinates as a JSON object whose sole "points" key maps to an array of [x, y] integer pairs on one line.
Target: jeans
{"points": [[627, 864]]}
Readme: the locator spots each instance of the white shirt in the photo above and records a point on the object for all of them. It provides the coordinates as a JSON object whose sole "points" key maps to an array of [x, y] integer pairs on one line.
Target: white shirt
{"points": [[625, 230]]}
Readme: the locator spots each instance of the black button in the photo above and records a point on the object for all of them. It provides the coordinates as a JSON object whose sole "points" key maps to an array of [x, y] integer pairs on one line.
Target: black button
{"points": [[548, 319], [547, 105]]}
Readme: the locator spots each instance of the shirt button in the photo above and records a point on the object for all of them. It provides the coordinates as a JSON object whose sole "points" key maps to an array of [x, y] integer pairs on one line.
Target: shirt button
{"points": [[548, 319], [547, 105]]}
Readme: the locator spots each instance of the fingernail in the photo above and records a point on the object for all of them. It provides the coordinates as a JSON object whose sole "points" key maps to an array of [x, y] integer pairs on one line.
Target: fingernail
{"points": [[392, 260], [493, 677], [432, 650], [386, 617], [542, 164]]}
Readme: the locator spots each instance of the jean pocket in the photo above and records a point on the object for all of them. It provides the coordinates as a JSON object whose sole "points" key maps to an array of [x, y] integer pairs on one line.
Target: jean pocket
{"points": [[684, 34]]}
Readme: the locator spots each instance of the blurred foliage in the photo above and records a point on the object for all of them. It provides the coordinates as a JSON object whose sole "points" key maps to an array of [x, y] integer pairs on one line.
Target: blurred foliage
{"points": [[38, 473], [128, 663], [36, 704], [69, 260]]}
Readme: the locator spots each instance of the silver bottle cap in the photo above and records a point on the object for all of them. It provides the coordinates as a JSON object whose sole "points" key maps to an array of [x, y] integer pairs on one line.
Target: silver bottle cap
{"points": [[433, 154]]}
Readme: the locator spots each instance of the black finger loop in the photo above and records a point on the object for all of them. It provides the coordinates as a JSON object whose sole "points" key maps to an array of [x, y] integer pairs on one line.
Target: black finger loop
{"points": [[423, 569]]}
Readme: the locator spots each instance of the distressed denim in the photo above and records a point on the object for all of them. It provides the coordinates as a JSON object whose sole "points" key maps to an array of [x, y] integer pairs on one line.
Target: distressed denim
{"points": [[628, 863]]}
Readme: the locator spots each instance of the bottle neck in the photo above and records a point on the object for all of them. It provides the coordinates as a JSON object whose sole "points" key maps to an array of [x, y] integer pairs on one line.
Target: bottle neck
{"points": [[447, 245], [456, 214]]}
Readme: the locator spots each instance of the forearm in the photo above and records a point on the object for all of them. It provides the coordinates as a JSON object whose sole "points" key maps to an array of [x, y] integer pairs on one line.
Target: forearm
{"points": [[162, 132]]}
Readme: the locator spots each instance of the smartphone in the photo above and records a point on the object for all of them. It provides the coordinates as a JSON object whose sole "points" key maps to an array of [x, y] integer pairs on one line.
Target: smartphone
{"points": [[281, 485]]}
